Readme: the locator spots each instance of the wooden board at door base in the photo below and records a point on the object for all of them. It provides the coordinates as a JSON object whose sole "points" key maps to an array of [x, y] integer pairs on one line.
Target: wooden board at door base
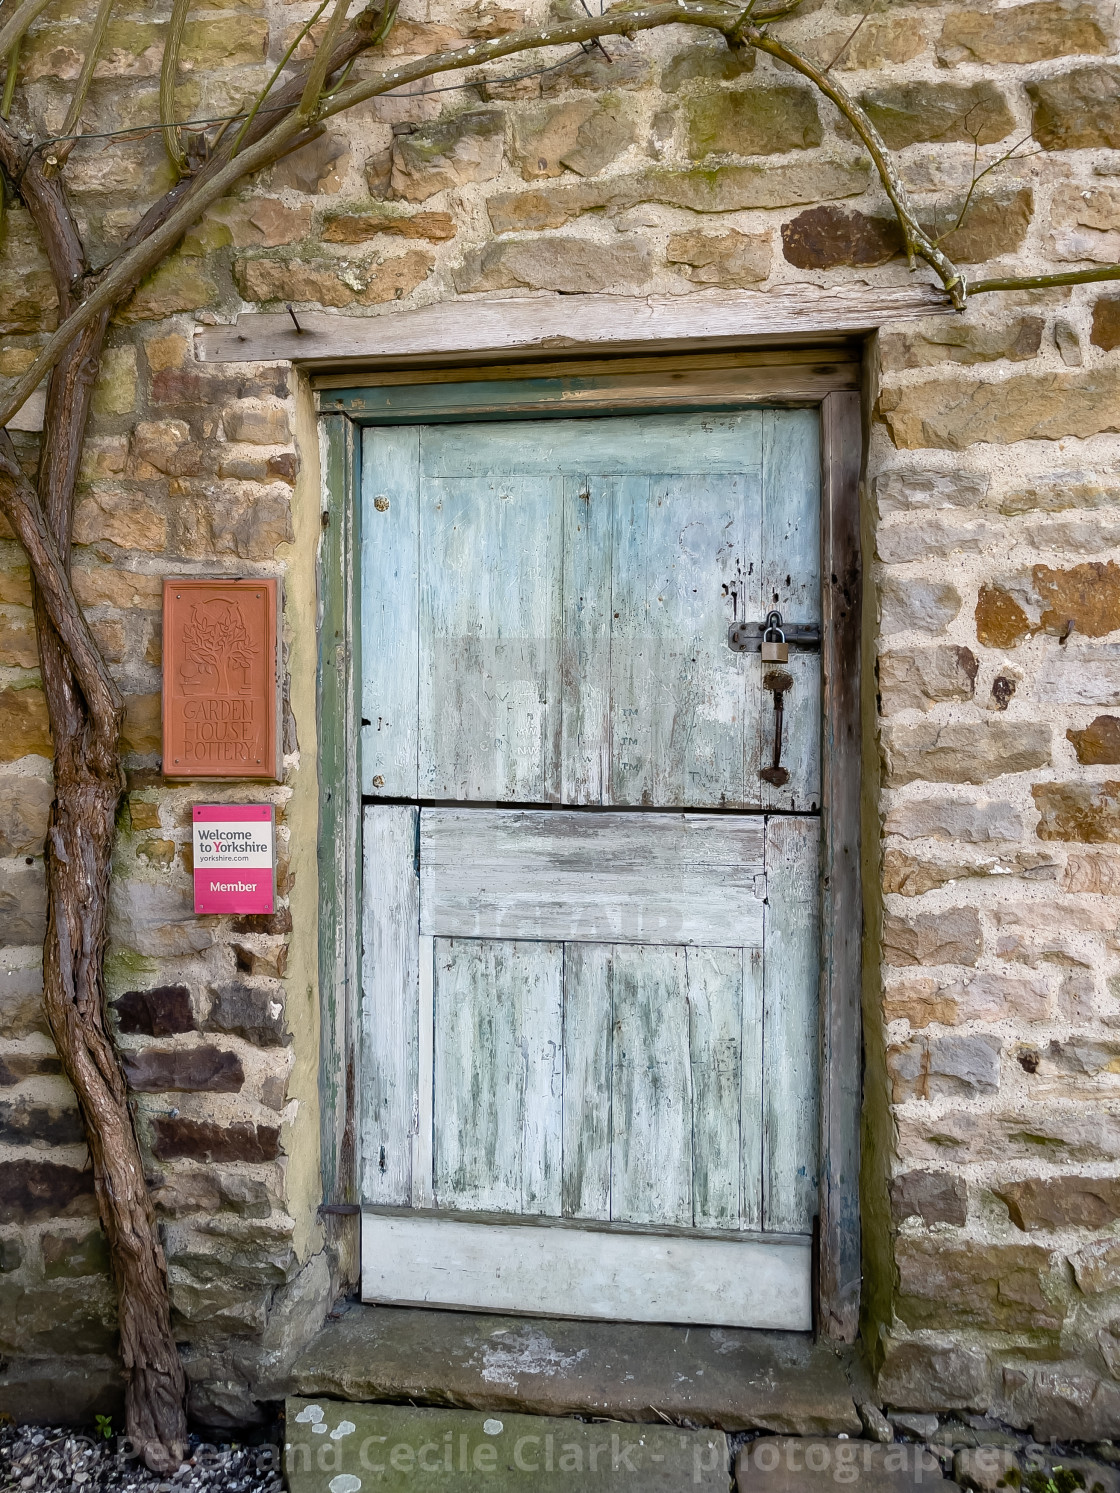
{"points": [[564, 1272]]}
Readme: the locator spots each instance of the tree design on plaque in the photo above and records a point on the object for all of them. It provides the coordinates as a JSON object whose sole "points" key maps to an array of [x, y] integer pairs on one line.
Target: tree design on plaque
{"points": [[219, 650]]}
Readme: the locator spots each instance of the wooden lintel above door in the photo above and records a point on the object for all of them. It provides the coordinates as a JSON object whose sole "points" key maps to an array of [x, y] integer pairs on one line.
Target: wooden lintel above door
{"points": [[469, 330]]}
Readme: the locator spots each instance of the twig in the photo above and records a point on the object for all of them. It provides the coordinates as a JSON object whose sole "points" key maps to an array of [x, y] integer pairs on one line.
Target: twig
{"points": [[849, 40], [268, 87], [15, 28], [10, 80], [1046, 282], [72, 123], [977, 178], [916, 238], [169, 69], [320, 64]]}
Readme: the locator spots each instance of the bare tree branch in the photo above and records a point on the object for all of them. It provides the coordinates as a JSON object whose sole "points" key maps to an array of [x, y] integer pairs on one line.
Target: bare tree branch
{"points": [[1046, 282], [19, 504], [317, 73], [16, 26], [72, 123], [169, 69], [917, 240], [268, 87]]}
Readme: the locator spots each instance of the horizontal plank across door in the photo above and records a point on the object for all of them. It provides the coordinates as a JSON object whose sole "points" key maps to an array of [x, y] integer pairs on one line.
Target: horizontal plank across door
{"points": [[598, 878], [566, 1272]]}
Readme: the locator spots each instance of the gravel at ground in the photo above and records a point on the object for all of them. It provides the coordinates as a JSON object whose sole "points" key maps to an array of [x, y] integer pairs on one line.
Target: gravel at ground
{"points": [[52, 1459]]}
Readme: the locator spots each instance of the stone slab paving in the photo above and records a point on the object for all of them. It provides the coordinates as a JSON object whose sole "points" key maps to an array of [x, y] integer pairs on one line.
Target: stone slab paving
{"points": [[345, 1448], [781, 1464], [736, 1380]]}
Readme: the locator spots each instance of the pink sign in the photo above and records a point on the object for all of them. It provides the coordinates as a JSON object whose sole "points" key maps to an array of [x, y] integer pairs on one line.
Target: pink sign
{"points": [[234, 865]]}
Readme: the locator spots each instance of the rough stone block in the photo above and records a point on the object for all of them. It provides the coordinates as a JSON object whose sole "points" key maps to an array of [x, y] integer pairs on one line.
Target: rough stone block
{"points": [[205, 1140], [17, 1066], [115, 390], [324, 283], [1106, 323], [962, 1065], [823, 237], [1096, 745], [179, 284], [914, 875], [580, 135], [951, 937], [774, 1464], [250, 1012], [706, 62], [316, 167], [74, 1255], [934, 536], [1085, 812], [1023, 33], [23, 723], [23, 906], [977, 821], [962, 752], [259, 425], [592, 71], [1001, 622], [18, 648], [128, 519], [34, 1190], [206, 1070], [731, 259], [1035, 1203], [880, 41], [563, 264], [921, 1376], [24, 1122], [468, 147], [934, 1197], [920, 606], [356, 228], [954, 415], [1096, 1268], [997, 1287], [990, 224], [958, 342], [752, 121], [162, 1011], [181, 1192], [25, 802], [918, 678], [1077, 110], [986, 1468], [230, 518], [722, 190], [906, 113], [164, 446]]}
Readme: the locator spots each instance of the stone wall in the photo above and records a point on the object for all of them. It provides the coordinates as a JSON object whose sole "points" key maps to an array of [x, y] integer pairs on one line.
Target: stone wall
{"points": [[668, 165]]}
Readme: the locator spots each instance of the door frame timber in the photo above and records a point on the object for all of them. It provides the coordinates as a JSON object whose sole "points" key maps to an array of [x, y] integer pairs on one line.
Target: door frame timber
{"points": [[825, 378]]}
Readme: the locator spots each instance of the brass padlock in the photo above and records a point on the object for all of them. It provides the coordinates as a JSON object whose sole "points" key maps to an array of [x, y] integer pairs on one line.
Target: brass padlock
{"points": [[775, 649]]}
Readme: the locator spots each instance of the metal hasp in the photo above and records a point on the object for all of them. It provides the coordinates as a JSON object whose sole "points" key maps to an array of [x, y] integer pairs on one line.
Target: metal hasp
{"points": [[747, 637]]}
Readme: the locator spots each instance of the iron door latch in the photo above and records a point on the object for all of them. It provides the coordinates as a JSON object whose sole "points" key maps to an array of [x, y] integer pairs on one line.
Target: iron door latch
{"points": [[746, 637]]}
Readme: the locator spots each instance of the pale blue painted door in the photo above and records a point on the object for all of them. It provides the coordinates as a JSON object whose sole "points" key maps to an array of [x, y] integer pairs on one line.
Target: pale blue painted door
{"points": [[589, 1066]]}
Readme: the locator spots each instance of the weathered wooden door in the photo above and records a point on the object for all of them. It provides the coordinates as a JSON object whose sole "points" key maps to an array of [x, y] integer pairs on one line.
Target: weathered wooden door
{"points": [[589, 1071]]}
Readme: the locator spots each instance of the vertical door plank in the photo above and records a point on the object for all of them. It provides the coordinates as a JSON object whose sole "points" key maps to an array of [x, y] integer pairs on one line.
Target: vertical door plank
{"points": [[391, 929], [497, 1132], [750, 1093], [682, 565], [651, 1085], [589, 503], [422, 1171], [791, 1038], [490, 634], [588, 1021], [715, 1007], [389, 609], [791, 584]]}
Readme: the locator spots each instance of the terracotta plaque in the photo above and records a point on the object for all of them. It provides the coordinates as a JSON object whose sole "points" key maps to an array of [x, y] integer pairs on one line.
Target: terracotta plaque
{"points": [[234, 865], [220, 680]]}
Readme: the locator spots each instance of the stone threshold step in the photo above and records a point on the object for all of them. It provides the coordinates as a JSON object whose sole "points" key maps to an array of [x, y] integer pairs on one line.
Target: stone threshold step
{"points": [[333, 1448], [732, 1379], [339, 1448]]}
